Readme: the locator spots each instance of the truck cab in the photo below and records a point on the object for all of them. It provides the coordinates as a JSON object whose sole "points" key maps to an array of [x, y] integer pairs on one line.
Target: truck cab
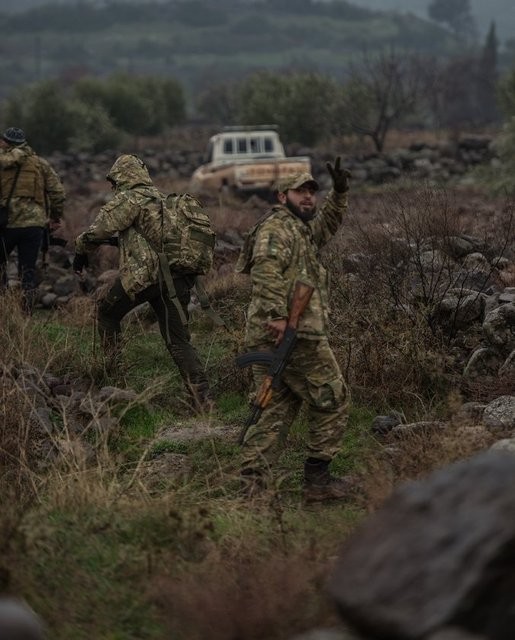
{"points": [[236, 144], [245, 159]]}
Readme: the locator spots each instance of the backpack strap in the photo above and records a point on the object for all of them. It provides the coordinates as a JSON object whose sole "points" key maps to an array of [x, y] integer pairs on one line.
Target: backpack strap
{"points": [[11, 192], [166, 275]]}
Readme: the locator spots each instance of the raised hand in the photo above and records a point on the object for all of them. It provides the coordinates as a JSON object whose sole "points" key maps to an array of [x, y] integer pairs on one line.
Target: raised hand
{"points": [[339, 175]]}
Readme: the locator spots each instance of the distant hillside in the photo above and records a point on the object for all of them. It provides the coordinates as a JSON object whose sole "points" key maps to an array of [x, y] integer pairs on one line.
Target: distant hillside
{"points": [[502, 11], [199, 43]]}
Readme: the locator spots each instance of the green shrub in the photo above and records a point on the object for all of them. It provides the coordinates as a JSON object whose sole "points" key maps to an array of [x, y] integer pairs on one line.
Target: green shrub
{"points": [[303, 105]]}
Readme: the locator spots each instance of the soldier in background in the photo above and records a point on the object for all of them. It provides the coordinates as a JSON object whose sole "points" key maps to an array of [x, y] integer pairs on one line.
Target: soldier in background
{"points": [[281, 249], [32, 197], [135, 213]]}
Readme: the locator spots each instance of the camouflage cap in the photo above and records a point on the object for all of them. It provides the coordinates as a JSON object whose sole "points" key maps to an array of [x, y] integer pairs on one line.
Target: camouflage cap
{"points": [[295, 181]]}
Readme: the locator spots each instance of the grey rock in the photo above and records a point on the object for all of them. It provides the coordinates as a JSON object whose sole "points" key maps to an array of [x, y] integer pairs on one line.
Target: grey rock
{"points": [[384, 424], [500, 413], [508, 368], [459, 246], [48, 300], [437, 554], [500, 262], [424, 427], [459, 311], [476, 261], [506, 444], [18, 621], [469, 412], [485, 361], [499, 327], [506, 297], [65, 285]]}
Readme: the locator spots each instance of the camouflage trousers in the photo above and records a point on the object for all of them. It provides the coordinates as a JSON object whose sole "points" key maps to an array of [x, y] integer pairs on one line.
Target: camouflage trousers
{"points": [[27, 242], [312, 378], [116, 304]]}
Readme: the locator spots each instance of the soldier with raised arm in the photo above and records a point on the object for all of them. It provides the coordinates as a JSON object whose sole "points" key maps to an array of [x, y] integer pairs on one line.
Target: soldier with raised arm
{"points": [[282, 249]]}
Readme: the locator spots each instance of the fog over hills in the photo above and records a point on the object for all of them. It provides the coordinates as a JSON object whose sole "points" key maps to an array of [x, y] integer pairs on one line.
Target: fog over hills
{"points": [[484, 11], [501, 11]]}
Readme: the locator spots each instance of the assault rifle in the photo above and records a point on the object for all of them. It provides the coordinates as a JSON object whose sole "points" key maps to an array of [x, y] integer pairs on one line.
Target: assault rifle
{"points": [[277, 359]]}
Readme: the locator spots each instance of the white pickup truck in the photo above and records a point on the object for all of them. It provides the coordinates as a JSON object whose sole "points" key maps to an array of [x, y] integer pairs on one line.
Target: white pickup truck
{"points": [[245, 160]]}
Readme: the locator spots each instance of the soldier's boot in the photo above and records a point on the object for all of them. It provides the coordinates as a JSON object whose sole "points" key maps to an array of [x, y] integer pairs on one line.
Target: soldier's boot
{"points": [[202, 399], [320, 485]]}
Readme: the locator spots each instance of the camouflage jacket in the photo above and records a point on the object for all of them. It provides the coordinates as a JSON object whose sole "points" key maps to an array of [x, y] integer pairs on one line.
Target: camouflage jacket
{"points": [[38, 194], [135, 214], [281, 249]]}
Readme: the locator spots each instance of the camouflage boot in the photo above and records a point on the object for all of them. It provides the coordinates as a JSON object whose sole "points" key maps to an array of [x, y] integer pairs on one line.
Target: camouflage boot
{"points": [[320, 485]]}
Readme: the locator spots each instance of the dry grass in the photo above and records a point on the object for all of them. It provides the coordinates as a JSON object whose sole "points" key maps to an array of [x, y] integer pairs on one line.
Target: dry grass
{"points": [[252, 594], [92, 530]]}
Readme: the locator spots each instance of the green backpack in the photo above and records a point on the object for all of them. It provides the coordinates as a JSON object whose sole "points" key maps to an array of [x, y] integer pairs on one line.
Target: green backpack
{"points": [[187, 247], [190, 249]]}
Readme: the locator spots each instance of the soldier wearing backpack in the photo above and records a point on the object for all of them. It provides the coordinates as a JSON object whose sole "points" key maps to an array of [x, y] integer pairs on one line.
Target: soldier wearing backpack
{"points": [[163, 246]]}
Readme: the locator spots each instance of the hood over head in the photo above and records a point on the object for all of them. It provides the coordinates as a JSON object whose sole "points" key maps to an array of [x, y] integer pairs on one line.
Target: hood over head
{"points": [[129, 171]]}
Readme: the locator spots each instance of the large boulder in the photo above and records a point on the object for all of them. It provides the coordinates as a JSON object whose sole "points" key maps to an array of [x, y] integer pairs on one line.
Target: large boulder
{"points": [[439, 554]]}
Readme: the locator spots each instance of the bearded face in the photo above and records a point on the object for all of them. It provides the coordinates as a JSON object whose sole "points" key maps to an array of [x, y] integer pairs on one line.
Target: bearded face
{"points": [[301, 202]]}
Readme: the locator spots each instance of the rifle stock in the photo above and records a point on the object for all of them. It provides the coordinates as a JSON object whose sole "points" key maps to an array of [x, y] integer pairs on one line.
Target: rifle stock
{"points": [[277, 359]]}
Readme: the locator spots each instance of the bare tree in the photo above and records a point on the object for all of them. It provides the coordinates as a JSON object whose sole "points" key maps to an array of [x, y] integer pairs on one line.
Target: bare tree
{"points": [[381, 91]]}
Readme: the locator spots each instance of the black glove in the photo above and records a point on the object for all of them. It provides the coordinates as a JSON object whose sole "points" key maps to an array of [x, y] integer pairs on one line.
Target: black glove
{"points": [[339, 176], [80, 260]]}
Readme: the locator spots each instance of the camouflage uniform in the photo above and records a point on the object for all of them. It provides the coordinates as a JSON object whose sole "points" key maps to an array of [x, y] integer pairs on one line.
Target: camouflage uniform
{"points": [[135, 213], [37, 197], [286, 249]]}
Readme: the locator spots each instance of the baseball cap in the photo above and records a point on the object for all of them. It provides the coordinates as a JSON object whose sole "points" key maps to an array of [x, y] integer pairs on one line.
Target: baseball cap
{"points": [[295, 181]]}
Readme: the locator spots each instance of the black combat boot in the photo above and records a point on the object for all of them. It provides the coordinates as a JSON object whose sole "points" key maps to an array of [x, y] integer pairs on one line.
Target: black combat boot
{"points": [[202, 401], [320, 485]]}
